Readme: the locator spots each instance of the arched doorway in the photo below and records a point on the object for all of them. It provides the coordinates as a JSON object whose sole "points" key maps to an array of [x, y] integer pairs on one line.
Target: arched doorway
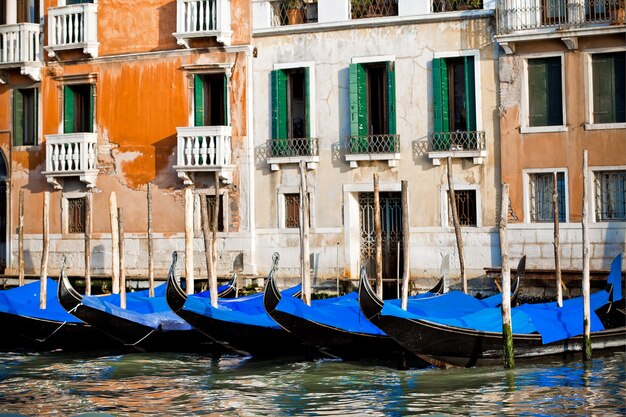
{"points": [[3, 213]]}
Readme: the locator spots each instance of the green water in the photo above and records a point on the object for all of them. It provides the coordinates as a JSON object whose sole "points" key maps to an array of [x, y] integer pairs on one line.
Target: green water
{"points": [[61, 384]]}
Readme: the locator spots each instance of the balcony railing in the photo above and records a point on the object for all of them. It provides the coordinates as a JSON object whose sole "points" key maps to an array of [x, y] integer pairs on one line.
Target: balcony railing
{"points": [[521, 15], [361, 9], [72, 154], [202, 18], [293, 12], [373, 144], [204, 149], [456, 5], [293, 147], [73, 27], [456, 141], [19, 43]]}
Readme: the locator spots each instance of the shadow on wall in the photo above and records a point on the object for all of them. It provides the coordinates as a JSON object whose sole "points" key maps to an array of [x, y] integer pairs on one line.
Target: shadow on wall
{"points": [[614, 243], [167, 26], [164, 161]]}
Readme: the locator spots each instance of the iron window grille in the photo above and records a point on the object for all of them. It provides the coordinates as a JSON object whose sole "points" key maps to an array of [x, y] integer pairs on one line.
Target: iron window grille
{"points": [[454, 5], [76, 215], [541, 192], [210, 204], [610, 187], [465, 207], [361, 9]]}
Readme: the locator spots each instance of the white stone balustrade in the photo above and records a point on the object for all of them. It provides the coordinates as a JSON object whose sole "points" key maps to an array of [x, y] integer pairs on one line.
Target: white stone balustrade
{"points": [[203, 18], [73, 27], [19, 47], [72, 154], [204, 149]]}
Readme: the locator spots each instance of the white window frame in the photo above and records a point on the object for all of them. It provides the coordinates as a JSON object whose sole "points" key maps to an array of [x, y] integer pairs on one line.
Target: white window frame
{"points": [[282, 209], [444, 204], [65, 221], [524, 125], [590, 124], [526, 190], [197, 215], [591, 179]]}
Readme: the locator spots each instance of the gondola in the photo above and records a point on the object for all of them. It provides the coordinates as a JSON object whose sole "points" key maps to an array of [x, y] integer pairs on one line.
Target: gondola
{"points": [[472, 340], [147, 324], [26, 326], [337, 327], [239, 324]]}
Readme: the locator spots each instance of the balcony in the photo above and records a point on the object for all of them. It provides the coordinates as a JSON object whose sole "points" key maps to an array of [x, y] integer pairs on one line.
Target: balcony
{"points": [[373, 148], [292, 151], [459, 144], [72, 155], [363, 9], [204, 149], [293, 12], [456, 5], [519, 20], [19, 48], [73, 27], [202, 19]]}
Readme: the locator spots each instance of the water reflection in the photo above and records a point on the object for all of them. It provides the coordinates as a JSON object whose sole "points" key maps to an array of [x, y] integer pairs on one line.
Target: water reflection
{"points": [[183, 385]]}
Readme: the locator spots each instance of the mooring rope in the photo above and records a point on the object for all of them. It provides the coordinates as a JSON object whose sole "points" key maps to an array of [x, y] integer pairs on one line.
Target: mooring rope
{"points": [[51, 334], [142, 339]]}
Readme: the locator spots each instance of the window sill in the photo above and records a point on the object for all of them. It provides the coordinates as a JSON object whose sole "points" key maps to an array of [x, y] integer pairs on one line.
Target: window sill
{"points": [[27, 148], [478, 156], [391, 158], [542, 129], [275, 162], [604, 126]]}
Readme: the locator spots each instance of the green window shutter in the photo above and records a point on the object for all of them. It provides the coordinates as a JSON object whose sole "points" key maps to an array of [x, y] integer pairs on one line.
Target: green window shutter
{"points": [[198, 100], [18, 118], [226, 118], [391, 98], [620, 87], [560, 189], [68, 109], [307, 102], [358, 107], [279, 112], [470, 94], [555, 92], [35, 126], [608, 87], [537, 93], [441, 113], [91, 112]]}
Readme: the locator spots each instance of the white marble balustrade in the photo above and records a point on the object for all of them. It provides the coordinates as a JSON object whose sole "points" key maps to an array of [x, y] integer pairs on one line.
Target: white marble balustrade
{"points": [[19, 43], [71, 153], [203, 18], [204, 146], [73, 26]]}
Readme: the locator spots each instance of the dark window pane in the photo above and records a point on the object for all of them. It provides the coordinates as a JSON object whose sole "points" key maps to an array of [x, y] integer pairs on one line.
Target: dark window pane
{"points": [[545, 102], [609, 87], [465, 207]]}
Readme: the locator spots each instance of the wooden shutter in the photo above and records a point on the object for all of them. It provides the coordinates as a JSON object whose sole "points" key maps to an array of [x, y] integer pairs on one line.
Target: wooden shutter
{"points": [[441, 113], [560, 188], [198, 100], [470, 94], [608, 87], [391, 99], [91, 111], [555, 92], [68, 109], [307, 102], [226, 119], [537, 93], [279, 112], [358, 107], [18, 118]]}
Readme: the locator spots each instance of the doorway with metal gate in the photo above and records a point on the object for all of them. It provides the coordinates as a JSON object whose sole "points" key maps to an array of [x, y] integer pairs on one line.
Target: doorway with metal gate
{"points": [[391, 231]]}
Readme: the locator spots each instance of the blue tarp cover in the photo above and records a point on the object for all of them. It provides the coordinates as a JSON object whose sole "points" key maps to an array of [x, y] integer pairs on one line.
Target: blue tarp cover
{"points": [[243, 310], [24, 301]]}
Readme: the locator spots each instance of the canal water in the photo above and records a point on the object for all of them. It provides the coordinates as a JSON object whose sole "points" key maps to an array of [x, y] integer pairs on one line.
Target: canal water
{"points": [[61, 384]]}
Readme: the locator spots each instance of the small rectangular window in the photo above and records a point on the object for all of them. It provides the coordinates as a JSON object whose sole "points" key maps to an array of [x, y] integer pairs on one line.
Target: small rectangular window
{"points": [[25, 117], [76, 215], [545, 93], [465, 207], [541, 192], [292, 210], [609, 87], [610, 188], [210, 199]]}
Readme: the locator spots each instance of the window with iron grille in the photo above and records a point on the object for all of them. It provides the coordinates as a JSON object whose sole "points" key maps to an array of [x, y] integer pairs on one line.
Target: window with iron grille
{"points": [[292, 210], [362, 9], [465, 208], [541, 188], [76, 215], [610, 187], [210, 204]]}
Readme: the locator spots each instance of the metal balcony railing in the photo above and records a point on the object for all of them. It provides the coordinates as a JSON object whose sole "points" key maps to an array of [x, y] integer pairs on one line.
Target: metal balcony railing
{"points": [[520, 15], [72, 27], [293, 12], [456, 141], [71, 154], [456, 5], [293, 147], [19, 43], [203, 18], [361, 9], [373, 144]]}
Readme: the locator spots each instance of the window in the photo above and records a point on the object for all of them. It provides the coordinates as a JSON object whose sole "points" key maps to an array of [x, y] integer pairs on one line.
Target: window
{"points": [[372, 107], [545, 92], [27, 11], [210, 100], [608, 87], [3, 19], [76, 215], [465, 208], [210, 200], [25, 117], [541, 185], [454, 103], [362, 9], [78, 108], [610, 190], [291, 115], [292, 211]]}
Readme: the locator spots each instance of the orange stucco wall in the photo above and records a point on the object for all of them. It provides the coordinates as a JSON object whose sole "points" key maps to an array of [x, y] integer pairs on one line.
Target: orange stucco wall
{"points": [[559, 149]]}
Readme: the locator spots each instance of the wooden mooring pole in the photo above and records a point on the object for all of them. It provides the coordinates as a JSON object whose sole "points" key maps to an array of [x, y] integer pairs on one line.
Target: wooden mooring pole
{"points": [[88, 222], [586, 285], [20, 240], [120, 220], [457, 225], [507, 331], [379, 238], [206, 237], [406, 244], [43, 273], [304, 227], [216, 214], [115, 245], [557, 249], [150, 244], [189, 278]]}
